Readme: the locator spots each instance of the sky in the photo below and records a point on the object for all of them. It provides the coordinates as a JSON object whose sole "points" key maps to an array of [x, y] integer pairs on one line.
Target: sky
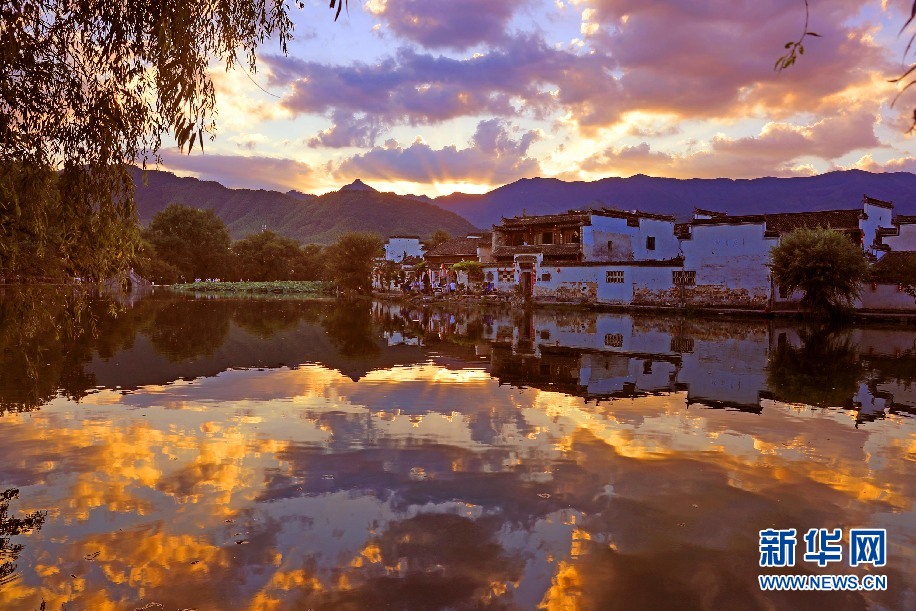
{"points": [[437, 96]]}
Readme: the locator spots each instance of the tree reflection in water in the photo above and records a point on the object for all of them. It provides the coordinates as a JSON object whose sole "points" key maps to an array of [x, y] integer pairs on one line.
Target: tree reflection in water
{"points": [[824, 371], [349, 324], [10, 527], [479, 472], [45, 337]]}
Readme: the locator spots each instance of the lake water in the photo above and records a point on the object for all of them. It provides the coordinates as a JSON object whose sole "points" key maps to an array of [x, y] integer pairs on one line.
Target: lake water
{"points": [[282, 454]]}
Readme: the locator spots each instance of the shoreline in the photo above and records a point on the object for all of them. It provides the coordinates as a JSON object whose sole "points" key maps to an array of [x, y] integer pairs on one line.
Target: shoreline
{"points": [[901, 317]]}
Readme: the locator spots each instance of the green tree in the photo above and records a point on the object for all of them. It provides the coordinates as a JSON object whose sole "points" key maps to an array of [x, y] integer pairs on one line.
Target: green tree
{"points": [[474, 270], [195, 242], [87, 90], [825, 264], [351, 260], [149, 265], [440, 236], [267, 256], [313, 266]]}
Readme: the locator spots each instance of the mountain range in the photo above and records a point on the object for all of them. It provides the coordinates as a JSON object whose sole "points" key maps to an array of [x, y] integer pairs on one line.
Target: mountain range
{"points": [[321, 219], [316, 219], [678, 197]]}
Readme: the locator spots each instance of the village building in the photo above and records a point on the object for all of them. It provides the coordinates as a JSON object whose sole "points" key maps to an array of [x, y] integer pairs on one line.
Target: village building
{"points": [[400, 247], [593, 255], [726, 257], [715, 260], [474, 247], [899, 236]]}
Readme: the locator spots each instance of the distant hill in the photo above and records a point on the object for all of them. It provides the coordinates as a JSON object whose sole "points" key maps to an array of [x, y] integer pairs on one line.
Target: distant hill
{"points": [[679, 197], [307, 218]]}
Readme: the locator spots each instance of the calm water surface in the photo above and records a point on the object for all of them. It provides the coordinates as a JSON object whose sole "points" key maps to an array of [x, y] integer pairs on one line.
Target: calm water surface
{"points": [[282, 454]]}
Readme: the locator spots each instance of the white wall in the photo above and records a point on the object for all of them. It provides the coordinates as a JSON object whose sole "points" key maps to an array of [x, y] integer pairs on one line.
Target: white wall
{"points": [[733, 256], [628, 243], [395, 248], [905, 241], [884, 297], [878, 216]]}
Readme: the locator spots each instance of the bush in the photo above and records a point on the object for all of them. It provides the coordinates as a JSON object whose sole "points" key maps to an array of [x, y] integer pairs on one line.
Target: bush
{"points": [[825, 264]]}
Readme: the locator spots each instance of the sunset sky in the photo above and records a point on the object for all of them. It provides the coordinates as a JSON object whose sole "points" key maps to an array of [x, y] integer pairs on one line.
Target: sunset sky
{"points": [[437, 96]]}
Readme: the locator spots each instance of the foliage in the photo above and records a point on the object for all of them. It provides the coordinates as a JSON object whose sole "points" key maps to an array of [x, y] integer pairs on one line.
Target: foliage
{"points": [[86, 90], [62, 224], [351, 259], [269, 256], [195, 242], [474, 269], [440, 236], [824, 264], [11, 526], [286, 287], [149, 265], [796, 48]]}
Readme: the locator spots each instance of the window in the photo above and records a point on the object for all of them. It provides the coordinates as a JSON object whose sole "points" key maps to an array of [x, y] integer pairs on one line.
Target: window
{"points": [[615, 340], [650, 242], [610, 246], [545, 277], [489, 276], [681, 344], [685, 278], [614, 277], [547, 237], [783, 293], [545, 334]]}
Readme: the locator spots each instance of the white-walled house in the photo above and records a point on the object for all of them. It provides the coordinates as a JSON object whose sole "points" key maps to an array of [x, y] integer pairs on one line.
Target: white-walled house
{"points": [[399, 247], [899, 236], [583, 255], [716, 260]]}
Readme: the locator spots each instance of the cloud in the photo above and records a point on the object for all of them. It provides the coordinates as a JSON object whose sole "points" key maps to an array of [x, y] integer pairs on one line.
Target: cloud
{"points": [[777, 150], [237, 171], [901, 164], [348, 130], [457, 24], [493, 157], [682, 61], [716, 58], [524, 75]]}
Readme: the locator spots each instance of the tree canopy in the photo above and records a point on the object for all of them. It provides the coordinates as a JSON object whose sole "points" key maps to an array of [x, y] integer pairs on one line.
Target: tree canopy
{"points": [[267, 256], [825, 264], [194, 242], [89, 88], [440, 236], [351, 259]]}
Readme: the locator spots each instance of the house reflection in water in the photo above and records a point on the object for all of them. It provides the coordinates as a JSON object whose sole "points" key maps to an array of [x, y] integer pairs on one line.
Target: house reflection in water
{"points": [[740, 364]]}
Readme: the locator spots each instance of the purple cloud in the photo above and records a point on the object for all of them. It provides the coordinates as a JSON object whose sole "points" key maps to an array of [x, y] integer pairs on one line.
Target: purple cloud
{"points": [[348, 130], [236, 171], [776, 151], [716, 57], [419, 88], [493, 157], [688, 59], [457, 24]]}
